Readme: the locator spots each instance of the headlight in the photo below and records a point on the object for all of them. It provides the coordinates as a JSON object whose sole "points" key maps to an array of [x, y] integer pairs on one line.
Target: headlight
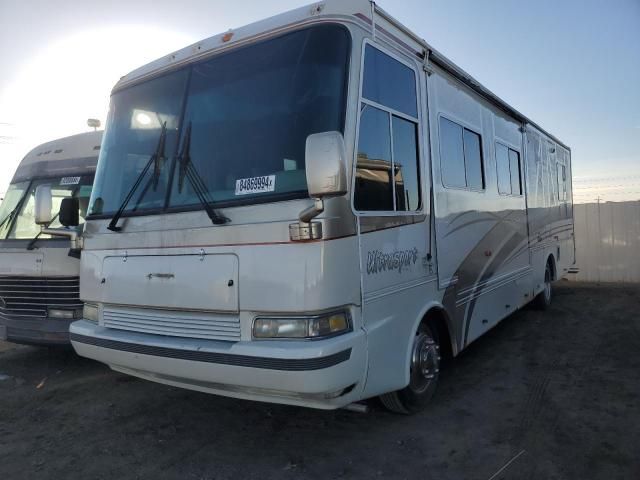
{"points": [[61, 314], [316, 326], [90, 312]]}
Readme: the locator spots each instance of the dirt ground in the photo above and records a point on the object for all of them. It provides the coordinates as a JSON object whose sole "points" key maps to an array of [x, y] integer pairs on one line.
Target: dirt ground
{"points": [[552, 395]]}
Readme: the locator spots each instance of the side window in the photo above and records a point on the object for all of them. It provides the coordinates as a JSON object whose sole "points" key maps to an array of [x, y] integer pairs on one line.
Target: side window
{"points": [[373, 176], [460, 156], [516, 174], [562, 182], [502, 163], [509, 169], [387, 170], [389, 83]]}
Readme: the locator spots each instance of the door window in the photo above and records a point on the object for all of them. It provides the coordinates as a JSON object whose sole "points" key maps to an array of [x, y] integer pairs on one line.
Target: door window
{"points": [[387, 170]]}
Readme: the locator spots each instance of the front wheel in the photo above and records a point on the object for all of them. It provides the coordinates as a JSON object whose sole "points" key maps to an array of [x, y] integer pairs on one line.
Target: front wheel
{"points": [[424, 373], [543, 300]]}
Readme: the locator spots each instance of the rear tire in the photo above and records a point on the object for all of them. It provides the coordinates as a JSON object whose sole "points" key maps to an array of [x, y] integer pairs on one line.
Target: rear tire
{"points": [[543, 299], [423, 376]]}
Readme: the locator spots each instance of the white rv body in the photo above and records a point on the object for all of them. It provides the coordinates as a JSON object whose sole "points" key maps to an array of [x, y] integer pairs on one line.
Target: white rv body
{"points": [[175, 299], [39, 281]]}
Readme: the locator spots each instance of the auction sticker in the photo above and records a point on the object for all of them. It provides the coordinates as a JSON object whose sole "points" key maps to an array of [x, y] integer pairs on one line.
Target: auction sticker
{"points": [[248, 186], [70, 181]]}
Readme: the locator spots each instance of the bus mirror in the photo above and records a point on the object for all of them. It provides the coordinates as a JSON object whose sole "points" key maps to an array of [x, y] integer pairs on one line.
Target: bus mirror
{"points": [[325, 160], [69, 208], [43, 203]]}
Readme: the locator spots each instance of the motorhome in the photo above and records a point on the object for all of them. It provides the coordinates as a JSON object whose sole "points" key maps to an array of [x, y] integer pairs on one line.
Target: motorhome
{"points": [[314, 210], [39, 279]]}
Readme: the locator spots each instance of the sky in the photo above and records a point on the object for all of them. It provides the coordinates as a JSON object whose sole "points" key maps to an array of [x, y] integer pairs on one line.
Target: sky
{"points": [[573, 66]]}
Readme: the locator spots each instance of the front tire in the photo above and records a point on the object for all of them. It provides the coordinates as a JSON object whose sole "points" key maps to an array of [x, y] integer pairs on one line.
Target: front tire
{"points": [[424, 373]]}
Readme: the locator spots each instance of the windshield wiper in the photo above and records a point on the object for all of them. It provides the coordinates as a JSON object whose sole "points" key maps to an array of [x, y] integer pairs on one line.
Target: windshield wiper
{"points": [[33, 241], [9, 216], [157, 161], [187, 169], [16, 209]]}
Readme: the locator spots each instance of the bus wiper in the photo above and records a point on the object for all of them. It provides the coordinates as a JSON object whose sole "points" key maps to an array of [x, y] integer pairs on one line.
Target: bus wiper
{"points": [[10, 215], [157, 161], [187, 169], [16, 209], [33, 241]]}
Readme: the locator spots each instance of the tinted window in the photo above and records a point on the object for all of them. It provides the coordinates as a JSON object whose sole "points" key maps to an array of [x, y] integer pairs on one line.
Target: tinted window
{"points": [[382, 169], [562, 182], [473, 160], [132, 135], [502, 164], [452, 154], [514, 167], [373, 190], [460, 156], [389, 82], [250, 109], [405, 161]]}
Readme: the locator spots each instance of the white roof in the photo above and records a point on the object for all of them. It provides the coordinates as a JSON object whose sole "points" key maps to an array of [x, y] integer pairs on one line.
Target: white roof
{"points": [[82, 145], [74, 155]]}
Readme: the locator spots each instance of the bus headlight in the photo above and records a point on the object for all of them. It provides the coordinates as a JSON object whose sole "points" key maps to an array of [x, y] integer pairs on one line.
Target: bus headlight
{"points": [[90, 312], [61, 314], [303, 327]]}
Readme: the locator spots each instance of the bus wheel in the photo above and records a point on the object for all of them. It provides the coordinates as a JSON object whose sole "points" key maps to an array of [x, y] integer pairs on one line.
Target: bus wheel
{"points": [[423, 375], [543, 300]]}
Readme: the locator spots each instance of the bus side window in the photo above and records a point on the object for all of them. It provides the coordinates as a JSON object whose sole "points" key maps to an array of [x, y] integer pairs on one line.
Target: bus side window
{"points": [[509, 170], [460, 156], [562, 182], [387, 171]]}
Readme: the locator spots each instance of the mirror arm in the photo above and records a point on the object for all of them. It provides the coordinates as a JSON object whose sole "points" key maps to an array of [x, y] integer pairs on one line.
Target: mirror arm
{"points": [[305, 229], [312, 212], [72, 235]]}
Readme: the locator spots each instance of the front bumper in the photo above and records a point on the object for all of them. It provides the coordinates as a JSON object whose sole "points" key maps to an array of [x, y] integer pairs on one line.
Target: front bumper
{"points": [[35, 331], [323, 374]]}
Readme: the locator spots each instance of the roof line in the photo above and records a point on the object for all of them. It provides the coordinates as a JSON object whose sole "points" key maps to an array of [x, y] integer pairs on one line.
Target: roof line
{"points": [[447, 65]]}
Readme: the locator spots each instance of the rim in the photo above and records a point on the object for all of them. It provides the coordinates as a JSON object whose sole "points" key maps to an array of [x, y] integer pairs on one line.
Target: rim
{"points": [[425, 363]]}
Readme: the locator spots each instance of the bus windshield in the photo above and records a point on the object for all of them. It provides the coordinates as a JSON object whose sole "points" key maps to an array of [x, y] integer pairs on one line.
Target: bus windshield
{"points": [[249, 113], [22, 225]]}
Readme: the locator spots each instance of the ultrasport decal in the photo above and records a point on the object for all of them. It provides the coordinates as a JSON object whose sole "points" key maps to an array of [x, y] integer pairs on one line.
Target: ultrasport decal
{"points": [[378, 261]]}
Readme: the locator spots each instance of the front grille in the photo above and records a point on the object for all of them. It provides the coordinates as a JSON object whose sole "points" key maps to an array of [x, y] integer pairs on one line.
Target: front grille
{"points": [[172, 323], [30, 297]]}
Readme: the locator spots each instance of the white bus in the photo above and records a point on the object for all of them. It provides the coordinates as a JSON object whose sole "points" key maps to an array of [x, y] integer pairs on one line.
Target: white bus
{"points": [[313, 210], [39, 273]]}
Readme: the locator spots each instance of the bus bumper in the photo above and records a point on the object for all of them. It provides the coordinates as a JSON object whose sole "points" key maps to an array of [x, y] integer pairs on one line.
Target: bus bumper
{"points": [[35, 331], [324, 374]]}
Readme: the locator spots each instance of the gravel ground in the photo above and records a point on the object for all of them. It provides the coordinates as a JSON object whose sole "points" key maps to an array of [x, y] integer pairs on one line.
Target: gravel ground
{"points": [[551, 395]]}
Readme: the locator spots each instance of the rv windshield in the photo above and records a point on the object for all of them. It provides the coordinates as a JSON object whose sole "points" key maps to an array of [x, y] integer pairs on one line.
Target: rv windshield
{"points": [[250, 110], [23, 225]]}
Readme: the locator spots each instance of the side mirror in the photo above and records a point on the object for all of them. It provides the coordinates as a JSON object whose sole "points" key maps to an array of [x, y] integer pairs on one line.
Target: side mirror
{"points": [[325, 166], [43, 204], [69, 212], [325, 160]]}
